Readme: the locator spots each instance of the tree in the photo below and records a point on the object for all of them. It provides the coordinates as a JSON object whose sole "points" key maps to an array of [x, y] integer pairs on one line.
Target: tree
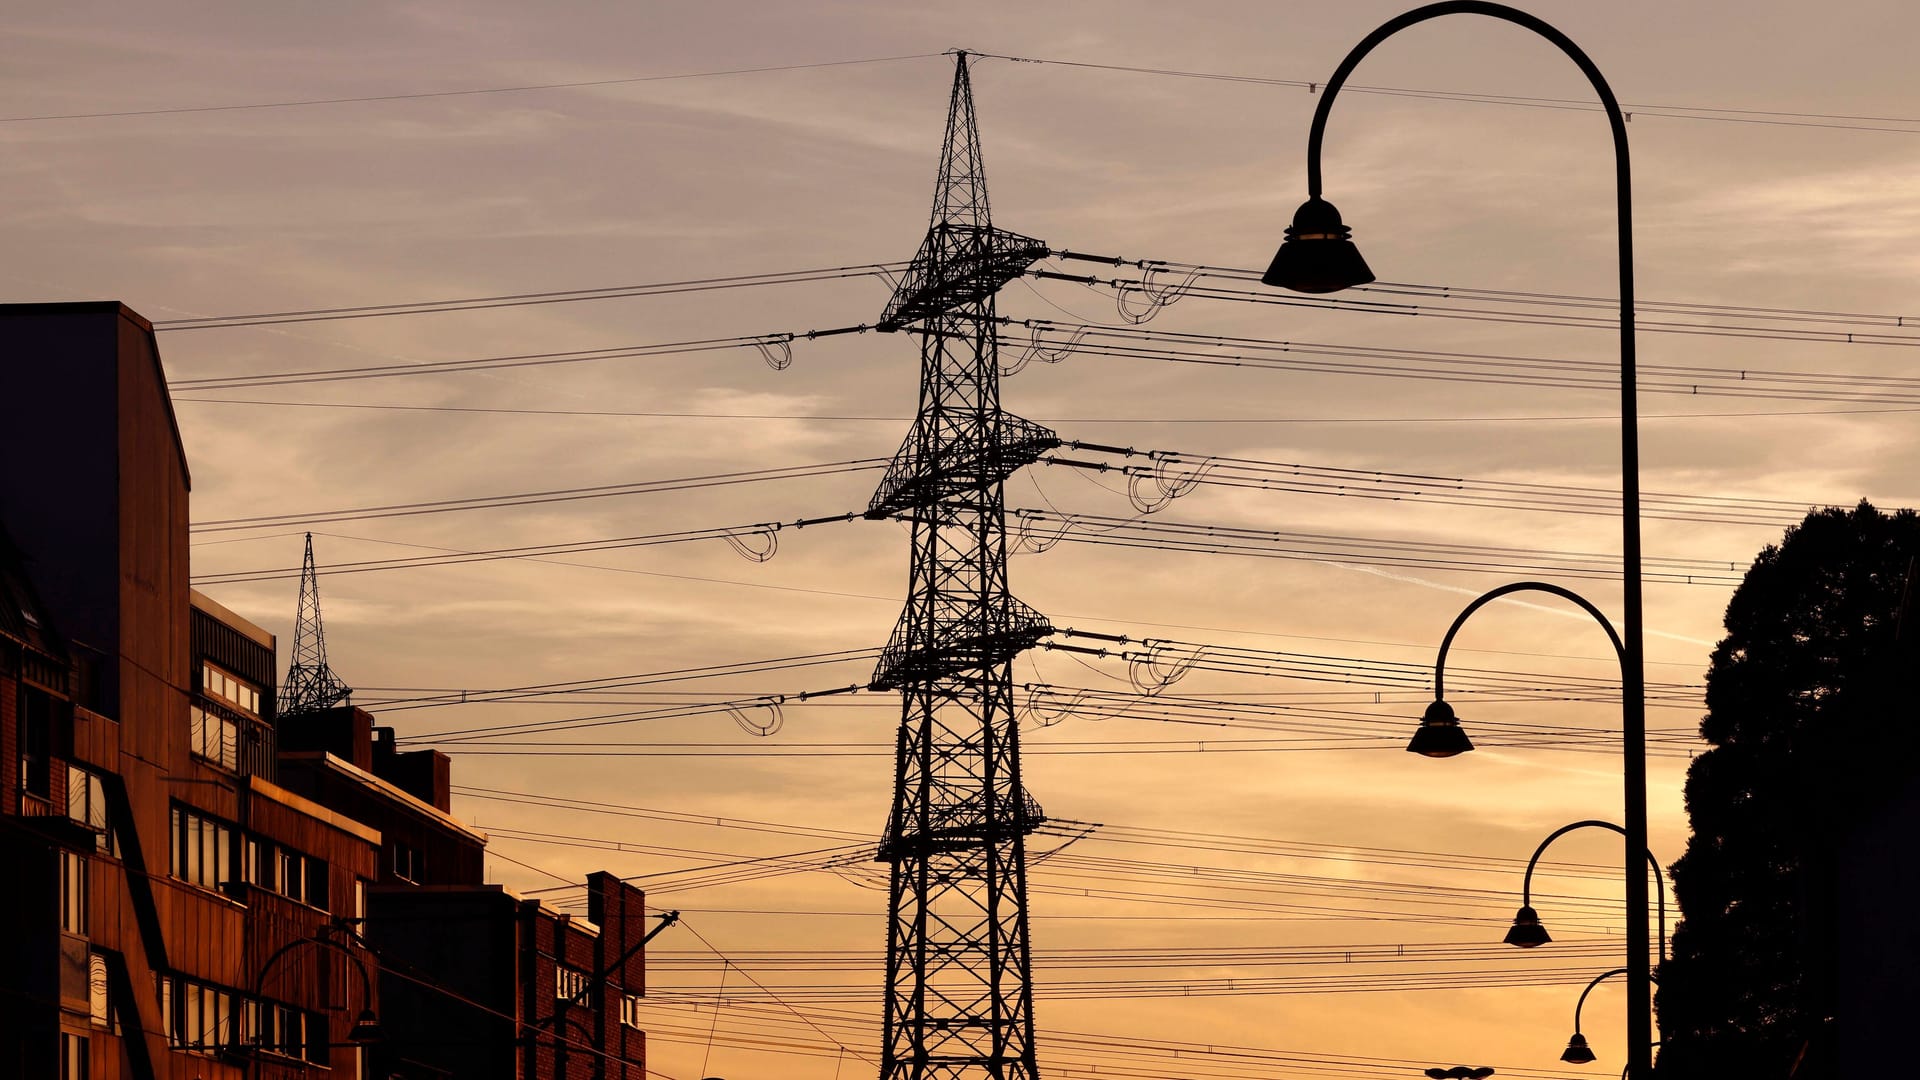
{"points": [[1807, 737]]}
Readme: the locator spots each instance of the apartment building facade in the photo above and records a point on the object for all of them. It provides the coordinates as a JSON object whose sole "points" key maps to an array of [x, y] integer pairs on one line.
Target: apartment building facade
{"points": [[197, 884]]}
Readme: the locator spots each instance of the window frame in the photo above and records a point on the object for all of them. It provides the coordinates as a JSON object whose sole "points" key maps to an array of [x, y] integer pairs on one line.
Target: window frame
{"points": [[89, 789], [229, 689], [75, 874], [214, 737], [196, 837]]}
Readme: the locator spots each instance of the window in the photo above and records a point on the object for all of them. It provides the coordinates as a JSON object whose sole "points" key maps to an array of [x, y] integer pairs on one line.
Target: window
{"points": [[407, 862], [630, 1010], [282, 870], [73, 1056], [196, 1016], [87, 806], [98, 1003], [569, 985], [214, 737], [73, 892], [207, 1018], [36, 728], [285, 1030], [221, 686], [202, 850]]}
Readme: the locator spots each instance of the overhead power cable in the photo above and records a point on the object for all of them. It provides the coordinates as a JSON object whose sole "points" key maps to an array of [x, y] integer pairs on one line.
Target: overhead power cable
{"points": [[419, 95], [1162, 280], [1443, 302], [885, 271], [1776, 117], [755, 542], [1166, 474], [1772, 117], [1038, 530], [1425, 365], [531, 498]]}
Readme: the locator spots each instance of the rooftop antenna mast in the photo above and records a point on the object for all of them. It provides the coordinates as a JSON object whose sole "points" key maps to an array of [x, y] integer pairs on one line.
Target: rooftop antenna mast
{"points": [[959, 1002], [311, 685]]}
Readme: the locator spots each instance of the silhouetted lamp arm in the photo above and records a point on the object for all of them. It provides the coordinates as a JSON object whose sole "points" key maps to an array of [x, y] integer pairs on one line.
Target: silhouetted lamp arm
{"points": [[1527, 931], [1440, 734], [1319, 257]]}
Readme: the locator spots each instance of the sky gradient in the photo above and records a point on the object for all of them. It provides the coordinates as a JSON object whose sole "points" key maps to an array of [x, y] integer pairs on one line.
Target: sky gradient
{"points": [[1776, 159]]}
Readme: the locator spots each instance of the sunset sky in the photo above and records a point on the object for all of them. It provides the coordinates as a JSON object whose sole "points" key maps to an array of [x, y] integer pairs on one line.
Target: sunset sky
{"points": [[1263, 839]]}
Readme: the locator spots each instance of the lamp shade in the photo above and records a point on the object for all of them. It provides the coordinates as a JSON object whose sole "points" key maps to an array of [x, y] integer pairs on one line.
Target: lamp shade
{"points": [[1440, 734], [1577, 1051], [1317, 255], [1526, 931], [366, 1028]]}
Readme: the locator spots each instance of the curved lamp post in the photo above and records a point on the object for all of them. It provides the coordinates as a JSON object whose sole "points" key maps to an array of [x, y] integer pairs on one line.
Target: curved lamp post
{"points": [[1440, 735], [1461, 1072], [366, 1026], [1527, 932], [1319, 256], [1577, 1051]]}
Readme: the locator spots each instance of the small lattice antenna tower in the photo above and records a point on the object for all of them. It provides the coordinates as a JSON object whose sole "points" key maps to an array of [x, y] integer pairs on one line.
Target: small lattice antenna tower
{"points": [[311, 685]]}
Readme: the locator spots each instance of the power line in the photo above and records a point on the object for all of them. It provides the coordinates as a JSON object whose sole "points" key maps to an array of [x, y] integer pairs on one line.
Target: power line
{"points": [[530, 498], [424, 94], [740, 537], [1775, 117], [830, 418], [1158, 293], [1842, 121], [1168, 474], [525, 299], [1038, 530]]}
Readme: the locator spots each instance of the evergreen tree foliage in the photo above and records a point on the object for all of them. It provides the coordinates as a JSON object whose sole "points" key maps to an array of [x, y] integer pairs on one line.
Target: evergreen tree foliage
{"points": [[1807, 735]]}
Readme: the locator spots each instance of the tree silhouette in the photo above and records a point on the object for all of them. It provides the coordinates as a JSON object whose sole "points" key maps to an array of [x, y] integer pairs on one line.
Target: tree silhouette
{"points": [[1806, 740]]}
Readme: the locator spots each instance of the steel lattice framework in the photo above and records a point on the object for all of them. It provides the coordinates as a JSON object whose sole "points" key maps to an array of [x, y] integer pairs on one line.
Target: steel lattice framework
{"points": [[959, 995], [311, 685]]}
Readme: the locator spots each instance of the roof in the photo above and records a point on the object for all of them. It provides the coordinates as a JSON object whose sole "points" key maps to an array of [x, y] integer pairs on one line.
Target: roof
{"points": [[142, 325], [224, 615], [388, 790]]}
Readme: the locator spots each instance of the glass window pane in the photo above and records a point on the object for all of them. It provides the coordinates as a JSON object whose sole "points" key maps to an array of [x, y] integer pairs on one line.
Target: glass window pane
{"points": [[97, 988]]}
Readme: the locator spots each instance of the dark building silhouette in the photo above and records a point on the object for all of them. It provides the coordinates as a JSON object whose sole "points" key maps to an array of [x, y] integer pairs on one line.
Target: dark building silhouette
{"points": [[1877, 987], [194, 887]]}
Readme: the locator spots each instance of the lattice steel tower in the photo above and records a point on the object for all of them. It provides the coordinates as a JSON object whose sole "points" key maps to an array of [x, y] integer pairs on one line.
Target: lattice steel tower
{"points": [[311, 685], [959, 996]]}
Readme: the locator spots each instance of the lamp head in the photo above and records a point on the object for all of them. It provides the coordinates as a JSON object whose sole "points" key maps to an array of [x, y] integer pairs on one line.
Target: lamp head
{"points": [[366, 1028], [1526, 931], [1318, 255], [1577, 1051], [1439, 734]]}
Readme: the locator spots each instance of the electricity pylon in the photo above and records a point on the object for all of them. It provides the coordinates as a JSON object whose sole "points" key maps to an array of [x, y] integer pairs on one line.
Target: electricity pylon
{"points": [[311, 685], [959, 995]]}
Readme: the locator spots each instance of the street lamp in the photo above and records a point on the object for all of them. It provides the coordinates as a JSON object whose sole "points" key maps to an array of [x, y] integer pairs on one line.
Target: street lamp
{"points": [[1527, 931], [1461, 1072], [339, 936], [1325, 260], [1577, 1051], [1440, 735]]}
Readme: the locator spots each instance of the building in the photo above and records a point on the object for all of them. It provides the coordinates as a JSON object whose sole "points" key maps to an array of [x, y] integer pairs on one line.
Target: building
{"points": [[196, 886], [531, 992], [572, 988]]}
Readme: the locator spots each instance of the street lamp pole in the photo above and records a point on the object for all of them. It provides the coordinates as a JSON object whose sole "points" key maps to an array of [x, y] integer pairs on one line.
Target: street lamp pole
{"points": [[1319, 257]]}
